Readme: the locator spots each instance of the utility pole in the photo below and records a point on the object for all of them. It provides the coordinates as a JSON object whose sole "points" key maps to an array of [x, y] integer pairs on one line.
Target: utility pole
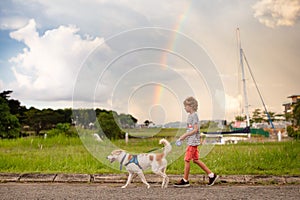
{"points": [[244, 81]]}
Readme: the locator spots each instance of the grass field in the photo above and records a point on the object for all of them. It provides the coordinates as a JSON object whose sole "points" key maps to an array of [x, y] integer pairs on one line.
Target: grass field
{"points": [[68, 155]]}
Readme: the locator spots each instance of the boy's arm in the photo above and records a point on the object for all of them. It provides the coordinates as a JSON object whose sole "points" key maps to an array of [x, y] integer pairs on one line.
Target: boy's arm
{"points": [[195, 129]]}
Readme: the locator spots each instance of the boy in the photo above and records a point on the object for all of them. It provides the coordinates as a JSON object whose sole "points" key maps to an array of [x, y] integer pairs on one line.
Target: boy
{"points": [[192, 137]]}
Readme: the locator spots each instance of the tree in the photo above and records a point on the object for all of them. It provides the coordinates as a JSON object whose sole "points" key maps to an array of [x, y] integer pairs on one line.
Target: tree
{"points": [[288, 116], [65, 115], [270, 117], [14, 105], [9, 124], [257, 116], [33, 119], [84, 117], [5, 94], [240, 118], [147, 122], [109, 125], [126, 120], [296, 114]]}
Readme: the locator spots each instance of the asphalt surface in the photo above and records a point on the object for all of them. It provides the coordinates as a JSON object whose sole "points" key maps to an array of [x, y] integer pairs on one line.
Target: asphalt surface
{"points": [[151, 178], [108, 186], [138, 191]]}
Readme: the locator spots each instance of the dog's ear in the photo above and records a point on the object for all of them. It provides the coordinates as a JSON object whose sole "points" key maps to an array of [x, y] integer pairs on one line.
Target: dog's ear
{"points": [[117, 152]]}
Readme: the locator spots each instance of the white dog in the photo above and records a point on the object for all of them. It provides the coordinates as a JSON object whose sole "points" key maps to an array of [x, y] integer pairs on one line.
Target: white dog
{"points": [[135, 164]]}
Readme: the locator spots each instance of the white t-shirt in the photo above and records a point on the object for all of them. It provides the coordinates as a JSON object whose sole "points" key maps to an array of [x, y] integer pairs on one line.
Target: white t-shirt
{"points": [[193, 140]]}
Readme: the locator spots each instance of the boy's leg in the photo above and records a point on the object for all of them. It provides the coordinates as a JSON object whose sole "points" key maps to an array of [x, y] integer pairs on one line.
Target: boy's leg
{"points": [[186, 170], [200, 163], [203, 166], [182, 182], [212, 177], [185, 181], [187, 158]]}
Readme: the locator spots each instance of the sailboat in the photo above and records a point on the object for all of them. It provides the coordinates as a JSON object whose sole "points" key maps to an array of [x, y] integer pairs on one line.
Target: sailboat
{"points": [[247, 130]]}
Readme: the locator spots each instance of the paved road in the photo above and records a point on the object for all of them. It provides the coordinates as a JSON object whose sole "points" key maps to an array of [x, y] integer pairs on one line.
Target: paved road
{"points": [[138, 191]]}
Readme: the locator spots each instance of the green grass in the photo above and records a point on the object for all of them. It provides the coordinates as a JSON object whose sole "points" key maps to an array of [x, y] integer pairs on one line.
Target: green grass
{"points": [[68, 155], [57, 154], [255, 158], [155, 132]]}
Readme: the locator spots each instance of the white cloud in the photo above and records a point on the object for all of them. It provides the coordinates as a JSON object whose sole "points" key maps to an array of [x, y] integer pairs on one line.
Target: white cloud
{"points": [[106, 17], [48, 67], [12, 22], [274, 13]]}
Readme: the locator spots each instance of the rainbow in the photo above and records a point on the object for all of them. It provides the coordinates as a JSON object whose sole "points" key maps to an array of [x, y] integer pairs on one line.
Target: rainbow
{"points": [[159, 88], [158, 92]]}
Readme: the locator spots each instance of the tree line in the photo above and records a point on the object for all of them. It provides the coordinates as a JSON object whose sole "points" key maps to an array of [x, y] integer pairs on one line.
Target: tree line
{"points": [[259, 116], [16, 120]]}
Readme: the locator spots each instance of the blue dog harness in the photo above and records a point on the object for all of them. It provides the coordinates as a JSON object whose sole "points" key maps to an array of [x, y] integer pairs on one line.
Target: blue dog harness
{"points": [[132, 160]]}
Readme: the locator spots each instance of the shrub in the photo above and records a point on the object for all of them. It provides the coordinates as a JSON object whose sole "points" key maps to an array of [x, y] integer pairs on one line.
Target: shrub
{"points": [[71, 132], [293, 133], [64, 129], [53, 132]]}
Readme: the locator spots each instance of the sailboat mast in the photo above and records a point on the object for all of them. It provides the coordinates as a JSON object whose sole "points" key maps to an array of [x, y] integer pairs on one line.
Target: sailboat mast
{"points": [[243, 78]]}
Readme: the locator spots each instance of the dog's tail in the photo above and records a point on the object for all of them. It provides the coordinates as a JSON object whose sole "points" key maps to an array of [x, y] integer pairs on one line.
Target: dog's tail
{"points": [[167, 145]]}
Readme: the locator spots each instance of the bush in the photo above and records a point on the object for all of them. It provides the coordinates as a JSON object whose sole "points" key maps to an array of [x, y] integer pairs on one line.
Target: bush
{"points": [[293, 133], [296, 134], [64, 129], [71, 132], [53, 132]]}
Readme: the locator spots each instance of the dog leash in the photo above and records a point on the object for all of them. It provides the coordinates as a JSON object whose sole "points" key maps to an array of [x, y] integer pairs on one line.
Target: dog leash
{"points": [[154, 149]]}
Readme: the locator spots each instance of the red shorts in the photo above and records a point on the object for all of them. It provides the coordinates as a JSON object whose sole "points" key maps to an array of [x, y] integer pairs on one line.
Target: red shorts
{"points": [[191, 153]]}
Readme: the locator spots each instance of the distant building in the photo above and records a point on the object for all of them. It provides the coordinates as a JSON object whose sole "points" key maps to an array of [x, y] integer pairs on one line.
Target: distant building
{"points": [[288, 107], [295, 98]]}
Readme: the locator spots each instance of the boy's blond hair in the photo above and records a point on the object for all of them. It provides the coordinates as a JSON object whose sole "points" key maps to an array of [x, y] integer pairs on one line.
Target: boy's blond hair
{"points": [[191, 101]]}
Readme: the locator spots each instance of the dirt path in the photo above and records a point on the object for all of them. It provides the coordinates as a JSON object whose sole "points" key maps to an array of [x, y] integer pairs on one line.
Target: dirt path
{"points": [[101, 191]]}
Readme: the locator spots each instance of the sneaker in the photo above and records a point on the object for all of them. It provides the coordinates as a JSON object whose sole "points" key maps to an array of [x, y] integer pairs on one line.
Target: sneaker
{"points": [[212, 180], [182, 183]]}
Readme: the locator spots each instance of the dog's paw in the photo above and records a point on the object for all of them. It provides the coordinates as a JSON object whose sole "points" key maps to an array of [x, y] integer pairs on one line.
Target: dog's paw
{"points": [[124, 186], [148, 186], [166, 183]]}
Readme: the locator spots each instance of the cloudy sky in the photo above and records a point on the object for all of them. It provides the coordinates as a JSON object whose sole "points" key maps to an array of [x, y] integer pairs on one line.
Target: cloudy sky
{"points": [[144, 57]]}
